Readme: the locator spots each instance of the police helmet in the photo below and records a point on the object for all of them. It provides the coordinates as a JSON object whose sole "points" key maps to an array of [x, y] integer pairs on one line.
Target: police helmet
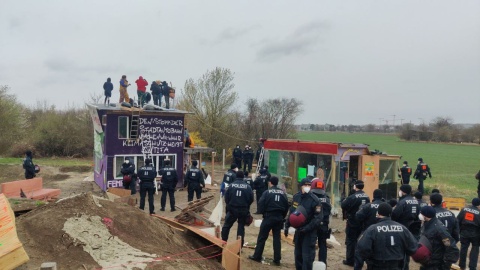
{"points": [[298, 217], [37, 169], [423, 253], [318, 186]]}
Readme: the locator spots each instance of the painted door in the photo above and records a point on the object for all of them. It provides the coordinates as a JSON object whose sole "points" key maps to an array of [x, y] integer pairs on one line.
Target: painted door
{"points": [[369, 172]]}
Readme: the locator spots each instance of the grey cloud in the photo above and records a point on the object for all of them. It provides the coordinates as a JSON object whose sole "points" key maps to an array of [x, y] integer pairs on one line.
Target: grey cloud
{"points": [[231, 33], [301, 42], [14, 23]]}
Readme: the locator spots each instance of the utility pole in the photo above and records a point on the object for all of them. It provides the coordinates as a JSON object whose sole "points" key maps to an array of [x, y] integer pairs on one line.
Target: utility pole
{"points": [[393, 119], [401, 121]]}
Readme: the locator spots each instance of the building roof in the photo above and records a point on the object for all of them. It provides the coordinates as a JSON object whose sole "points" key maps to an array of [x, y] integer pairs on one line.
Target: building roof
{"points": [[116, 107]]}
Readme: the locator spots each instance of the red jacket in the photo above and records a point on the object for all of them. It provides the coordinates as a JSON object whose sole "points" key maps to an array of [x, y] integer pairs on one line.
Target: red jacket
{"points": [[141, 84]]}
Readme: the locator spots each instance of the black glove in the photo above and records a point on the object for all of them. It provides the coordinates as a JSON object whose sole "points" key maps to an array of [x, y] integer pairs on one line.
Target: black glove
{"points": [[285, 230], [301, 230], [446, 266]]}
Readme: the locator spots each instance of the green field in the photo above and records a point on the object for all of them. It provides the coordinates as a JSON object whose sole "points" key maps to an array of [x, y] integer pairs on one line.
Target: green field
{"points": [[57, 162], [453, 166]]}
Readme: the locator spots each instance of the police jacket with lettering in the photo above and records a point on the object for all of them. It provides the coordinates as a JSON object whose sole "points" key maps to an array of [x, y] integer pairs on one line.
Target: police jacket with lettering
{"points": [[386, 240], [239, 194], [326, 209], [351, 205], [313, 209], [247, 155], [261, 183], [273, 202], [422, 171], [229, 176], [237, 153], [169, 177], [405, 172], [422, 203], [194, 177], [444, 248], [449, 220], [406, 211], [469, 221], [147, 173], [249, 181], [367, 215]]}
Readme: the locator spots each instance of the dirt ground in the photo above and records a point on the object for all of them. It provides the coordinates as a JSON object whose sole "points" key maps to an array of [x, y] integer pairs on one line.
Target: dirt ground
{"points": [[42, 233]]}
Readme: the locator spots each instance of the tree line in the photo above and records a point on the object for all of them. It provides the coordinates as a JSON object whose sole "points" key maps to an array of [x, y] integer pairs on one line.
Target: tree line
{"points": [[217, 118]]}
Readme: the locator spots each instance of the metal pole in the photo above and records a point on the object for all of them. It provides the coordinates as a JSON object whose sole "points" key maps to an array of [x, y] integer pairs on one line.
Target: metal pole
{"points": [[223, 160]]}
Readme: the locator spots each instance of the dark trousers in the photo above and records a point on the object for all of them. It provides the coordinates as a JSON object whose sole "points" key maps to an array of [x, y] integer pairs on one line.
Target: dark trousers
{"points": [[132, 185], [420, 184], [238, 162], [358, 261], [258, 194], [163, 199], [167, 101], [147, 187], [351, 237], [239, 215], [465, 243], [385, 265], [157, 99], [273, 223], [322, 236], [247, 163], [435, 267], [304, 249], [195, 189]]}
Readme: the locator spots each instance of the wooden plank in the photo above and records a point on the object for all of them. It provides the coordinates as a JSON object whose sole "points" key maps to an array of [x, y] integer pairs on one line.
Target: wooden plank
{"points": [[454, 203], [14, 259], [121, 192], [231, 255], [205, 220]]}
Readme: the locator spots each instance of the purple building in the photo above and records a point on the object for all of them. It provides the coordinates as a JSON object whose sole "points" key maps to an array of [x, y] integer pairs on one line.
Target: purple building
{"points": [[121, 133]]}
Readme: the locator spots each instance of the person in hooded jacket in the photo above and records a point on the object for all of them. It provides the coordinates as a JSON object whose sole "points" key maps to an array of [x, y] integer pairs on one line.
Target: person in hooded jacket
{"points": [[28, 165], [469, 220], [366, 216], [318, 188], [445, 216], [350, 206], [156, 93], [194, 180], [385, 244], [166, 94], [141, 90], [260, 185], [306, 217], [169, 183], [123, 90], [129, 176], [444, 249], [107, 90]]}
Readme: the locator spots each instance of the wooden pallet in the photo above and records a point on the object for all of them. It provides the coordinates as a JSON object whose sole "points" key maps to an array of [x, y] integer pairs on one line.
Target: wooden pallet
{"points": [[454, 203], [190, 212]]}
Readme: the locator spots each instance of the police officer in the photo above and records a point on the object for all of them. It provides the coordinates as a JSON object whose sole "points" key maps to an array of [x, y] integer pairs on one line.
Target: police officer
{"points": [[318, 188], [238, 198], [28, 165], [228, 178], [405, 173], [421, 173], [237, 156], [350, 206], [147, 174], [194, 180], [169, 182], [260, 185], [445, 216], [273, 205], [477, 176], [385, 244], [248, 179], [469, 220], [306, 217], [129, 176], [444, 250], [247, 158], [419, 196], [366, 216]]}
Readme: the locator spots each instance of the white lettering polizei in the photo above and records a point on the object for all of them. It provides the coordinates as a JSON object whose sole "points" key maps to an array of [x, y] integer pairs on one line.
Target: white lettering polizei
{"points": [[390, 228]]}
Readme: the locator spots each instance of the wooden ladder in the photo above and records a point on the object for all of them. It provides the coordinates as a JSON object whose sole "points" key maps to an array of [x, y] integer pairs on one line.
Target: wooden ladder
{"points": [[134, 124]]}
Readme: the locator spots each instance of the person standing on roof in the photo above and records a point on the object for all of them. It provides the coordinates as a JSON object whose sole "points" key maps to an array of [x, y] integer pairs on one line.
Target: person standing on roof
{"points": [[156, 93], [123, 90], [147, 174], [421, 173], [405, 173], [166, 94], [28, 165], [141, 90], [107, 89]]}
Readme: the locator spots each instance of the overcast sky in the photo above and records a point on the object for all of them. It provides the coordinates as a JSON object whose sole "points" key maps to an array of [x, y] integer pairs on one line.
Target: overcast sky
{"points": [[349, 62]]}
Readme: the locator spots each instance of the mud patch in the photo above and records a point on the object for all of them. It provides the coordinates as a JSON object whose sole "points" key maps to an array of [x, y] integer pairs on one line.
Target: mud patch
{"points": [[80, 169]]}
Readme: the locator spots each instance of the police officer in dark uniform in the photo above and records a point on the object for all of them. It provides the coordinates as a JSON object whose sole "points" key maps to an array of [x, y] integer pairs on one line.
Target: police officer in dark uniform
{"points": [[248, 179], [445, 216], [469, 220], [28, 165], [260, 185], [419, 196], [444, 249], [405, 173], [237, 156], [247, 158], [147, 175], [169, 182], [385, 244], [350, 206], [366, 216], [306, 217], [421, 173], [129, 176], [477, 176], [228, 178], [318, 188], [238, 198], [273, 205], [194, 180]]}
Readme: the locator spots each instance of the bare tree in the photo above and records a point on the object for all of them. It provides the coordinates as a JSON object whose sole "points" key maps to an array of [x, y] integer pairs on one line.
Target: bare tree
{"points": [[11, 119]]}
